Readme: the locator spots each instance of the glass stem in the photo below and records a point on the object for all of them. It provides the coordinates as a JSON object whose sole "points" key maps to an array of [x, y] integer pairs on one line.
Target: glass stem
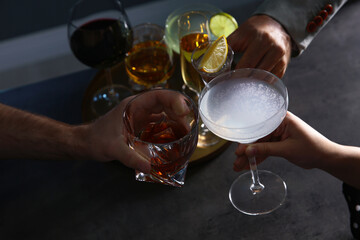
{"points": [[203, 130], [256, 186], [109, 82], [112, 94]]}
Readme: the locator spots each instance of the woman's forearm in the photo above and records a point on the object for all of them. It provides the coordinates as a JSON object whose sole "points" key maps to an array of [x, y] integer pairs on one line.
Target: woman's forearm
{"points": [[344, 163]]}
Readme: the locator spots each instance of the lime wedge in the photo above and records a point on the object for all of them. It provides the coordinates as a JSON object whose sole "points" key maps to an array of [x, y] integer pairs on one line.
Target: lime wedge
{"points": [[215, 56], [222, 24]]}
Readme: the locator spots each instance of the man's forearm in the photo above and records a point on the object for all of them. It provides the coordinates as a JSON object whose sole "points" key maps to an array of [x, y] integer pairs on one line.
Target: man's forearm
{"points": [[25, 135]]}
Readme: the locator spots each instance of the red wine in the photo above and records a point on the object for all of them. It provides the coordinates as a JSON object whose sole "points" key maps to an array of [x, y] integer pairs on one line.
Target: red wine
{"points": [[101, 43]]}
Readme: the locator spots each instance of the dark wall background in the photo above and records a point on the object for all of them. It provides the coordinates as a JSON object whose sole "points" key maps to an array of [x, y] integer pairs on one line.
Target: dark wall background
{"points": [[26, 16]]}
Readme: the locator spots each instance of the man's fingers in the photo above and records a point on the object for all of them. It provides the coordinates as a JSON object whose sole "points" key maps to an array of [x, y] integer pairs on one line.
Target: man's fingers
{"points": [[270, 60], [133, 159], [279, 69], [236, 41], [253, 55]]}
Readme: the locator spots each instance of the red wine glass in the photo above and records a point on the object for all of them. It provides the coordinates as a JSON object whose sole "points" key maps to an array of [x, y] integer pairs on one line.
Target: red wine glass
{"points": [[100, 35]]}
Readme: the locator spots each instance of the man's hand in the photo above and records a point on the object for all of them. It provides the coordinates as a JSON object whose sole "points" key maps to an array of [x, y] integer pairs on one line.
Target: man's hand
{"points": [[264, 43]]}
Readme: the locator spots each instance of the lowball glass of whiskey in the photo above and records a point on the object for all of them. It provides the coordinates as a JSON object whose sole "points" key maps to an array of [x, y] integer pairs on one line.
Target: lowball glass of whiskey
{"points": [[162, 126]]}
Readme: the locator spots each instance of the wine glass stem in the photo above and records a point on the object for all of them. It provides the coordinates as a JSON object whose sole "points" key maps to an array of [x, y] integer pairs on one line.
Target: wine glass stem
{"points": [[256, 186], [113, 97], [108, 77]]}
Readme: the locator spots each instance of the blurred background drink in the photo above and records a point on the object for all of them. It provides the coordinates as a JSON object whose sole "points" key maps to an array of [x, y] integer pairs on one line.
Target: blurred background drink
{"points": [[150, 62], [171, 24], [194, 31]]}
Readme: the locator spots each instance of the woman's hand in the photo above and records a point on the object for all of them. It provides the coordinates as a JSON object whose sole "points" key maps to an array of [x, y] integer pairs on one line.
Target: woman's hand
{"points": [[294, 140]]}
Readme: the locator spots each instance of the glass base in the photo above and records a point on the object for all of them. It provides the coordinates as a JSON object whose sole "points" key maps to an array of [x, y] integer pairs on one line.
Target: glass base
{"points": [[206, 138], [137, 88], [175, 180], [108, 97], [188, 92], [263, 202]]}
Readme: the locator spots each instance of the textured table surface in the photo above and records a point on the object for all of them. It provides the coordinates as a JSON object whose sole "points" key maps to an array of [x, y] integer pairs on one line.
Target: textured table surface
{"points": [[90, 200]]}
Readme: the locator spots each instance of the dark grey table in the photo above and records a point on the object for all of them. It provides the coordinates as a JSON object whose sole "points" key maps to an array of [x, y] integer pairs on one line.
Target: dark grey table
{"points": [[90, 200]]}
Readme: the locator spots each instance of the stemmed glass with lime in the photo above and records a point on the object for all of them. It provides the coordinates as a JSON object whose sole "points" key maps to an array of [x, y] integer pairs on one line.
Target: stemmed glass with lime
{"points": [[212, 58]]}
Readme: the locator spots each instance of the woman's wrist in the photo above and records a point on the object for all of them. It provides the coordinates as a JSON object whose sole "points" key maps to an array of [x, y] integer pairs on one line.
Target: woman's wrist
{"points": [[343, 162]]}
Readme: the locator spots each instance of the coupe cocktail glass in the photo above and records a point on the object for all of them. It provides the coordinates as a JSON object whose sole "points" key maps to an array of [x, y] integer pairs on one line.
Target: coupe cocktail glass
{"points": [[245, 105], [162, 126]]}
